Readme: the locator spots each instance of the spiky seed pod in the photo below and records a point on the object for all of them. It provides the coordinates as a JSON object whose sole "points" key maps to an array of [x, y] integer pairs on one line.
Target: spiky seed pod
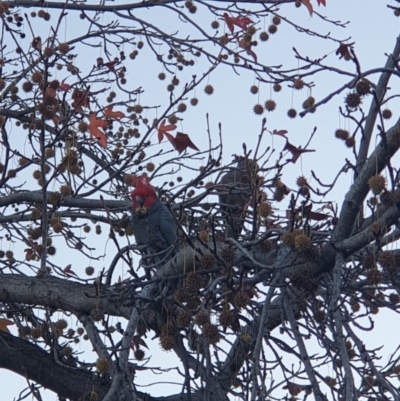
{"points": [[194, 101], [65, 190], [277, 87], [27, 86], [37, 77], [204, 235], [93, 396], [89, 270], [350, 142], [319, 316], [207, 261], [342, 134], [272, 29], [258, 109], [387, 198], [173, 119], [194, 282], [61, 324], [298, 84], [215, 25], [254, 89], [377, 228], [67, 351], [193, 303], [80, 330], [227, 254], [292, 113], [25, 331], [369, 262], [266, 246], [182, 107], [388, 262], [270, 105], [352, 100], [302, 243], [251, 30], [265, 209], [63, 48], [202, 318], [211, 334], [36, 332], [161, 76], [51, 250], [184, 318], [377, 184], [83, 126], [9, 254], [103, 366], [226, 318], [363, 87], [394, 298], [167, 342], [150, 167], [70, 332], [276, 20], [209, 90], [373, 276], [247, 338], [288, 239], [387, 114], [241, 300], [97, 315], [139, 354], [49, 152], [181, 296], [279, 194], [264, 36], [331, 381], [355, 305], [301, 181]]}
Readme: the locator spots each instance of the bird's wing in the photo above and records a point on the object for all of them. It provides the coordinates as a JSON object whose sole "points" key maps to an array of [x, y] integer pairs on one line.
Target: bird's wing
{"points": [[163, 226]]}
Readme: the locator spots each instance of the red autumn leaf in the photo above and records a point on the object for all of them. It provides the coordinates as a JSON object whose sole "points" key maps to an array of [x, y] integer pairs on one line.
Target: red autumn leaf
{"points": [[94, 129], [63, 86], [67, 270], [240, 22], [323, 2], [296, 152], [308, 6], [3, 325], [281, 132], [181, 142], [37, 43], [115, 115], [81, 99], [137, 342], [344, 51], [163, 129]]}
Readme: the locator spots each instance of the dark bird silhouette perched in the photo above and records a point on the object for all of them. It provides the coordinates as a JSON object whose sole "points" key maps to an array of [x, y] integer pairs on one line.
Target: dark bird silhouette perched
{"points": [[235, 194], [153, 224]]}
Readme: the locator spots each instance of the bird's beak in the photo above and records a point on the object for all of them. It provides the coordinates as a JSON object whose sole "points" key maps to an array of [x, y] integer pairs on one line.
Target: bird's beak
{"points": [[139, 200]]}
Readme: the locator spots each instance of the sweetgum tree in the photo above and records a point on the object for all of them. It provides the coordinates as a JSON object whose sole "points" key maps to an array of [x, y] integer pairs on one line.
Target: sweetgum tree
{"points": [[272, 288]]}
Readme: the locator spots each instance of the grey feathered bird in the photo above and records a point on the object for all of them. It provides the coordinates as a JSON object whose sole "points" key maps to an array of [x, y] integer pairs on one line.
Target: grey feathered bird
{"points": [[235, 195], [153, 224]]}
